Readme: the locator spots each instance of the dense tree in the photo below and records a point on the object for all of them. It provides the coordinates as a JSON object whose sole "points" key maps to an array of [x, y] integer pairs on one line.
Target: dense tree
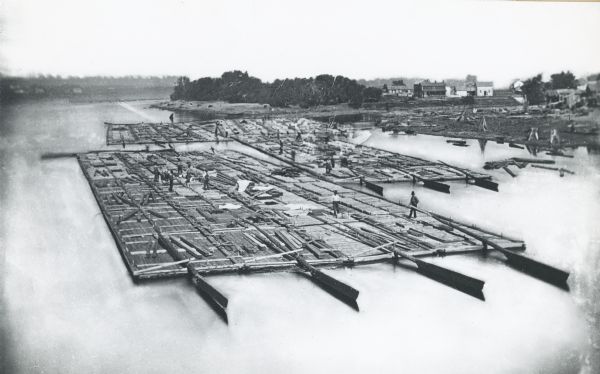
{"points": [[236, 87], [533, 89], [371, 94], [563, 80]]}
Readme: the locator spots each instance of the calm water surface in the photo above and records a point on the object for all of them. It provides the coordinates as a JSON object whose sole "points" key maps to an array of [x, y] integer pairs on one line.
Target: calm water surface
{"points": [[68, 304]]}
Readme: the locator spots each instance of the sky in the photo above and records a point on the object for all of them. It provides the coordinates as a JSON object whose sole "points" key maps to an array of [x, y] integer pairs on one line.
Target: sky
{"points": [[495, 40]]}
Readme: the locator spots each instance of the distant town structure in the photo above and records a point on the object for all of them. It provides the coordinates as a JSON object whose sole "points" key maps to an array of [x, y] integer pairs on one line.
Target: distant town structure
{"points": [[485, 88], [516, 86], [427, 88], [464, 89], [401, 90], [564, 97]]}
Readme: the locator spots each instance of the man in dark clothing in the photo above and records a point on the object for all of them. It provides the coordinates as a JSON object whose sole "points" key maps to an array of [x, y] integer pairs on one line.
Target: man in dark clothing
{"points": [[293, 154], [280, 146], [171, 118], [171, 182], [327, 167], [332, 162], [413, 204], [156, 174], [205, 186]]}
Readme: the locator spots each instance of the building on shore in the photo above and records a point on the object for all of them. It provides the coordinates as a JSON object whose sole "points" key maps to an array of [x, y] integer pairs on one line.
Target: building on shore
{"points": [[563, 97], [427, 88], [464, 89], [485, 88], [401, 90]]}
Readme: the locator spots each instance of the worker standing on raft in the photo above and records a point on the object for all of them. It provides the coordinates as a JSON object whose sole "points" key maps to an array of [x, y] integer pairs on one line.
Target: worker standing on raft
{"points": [[336, 203], [205, 180], [171, 182], [280, 146], [171, 118], [414, 201]]}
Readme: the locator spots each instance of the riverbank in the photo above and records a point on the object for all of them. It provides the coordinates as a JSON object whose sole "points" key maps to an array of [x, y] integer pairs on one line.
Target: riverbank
{"points": [[511, 128], [221, 109]]}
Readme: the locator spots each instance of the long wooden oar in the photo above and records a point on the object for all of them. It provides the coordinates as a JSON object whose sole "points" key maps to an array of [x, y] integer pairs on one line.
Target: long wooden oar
{"points": [[339, 289], [464, 283], [374, 187], [528, 265], [213, 297], [431, 184], [479, 182]]}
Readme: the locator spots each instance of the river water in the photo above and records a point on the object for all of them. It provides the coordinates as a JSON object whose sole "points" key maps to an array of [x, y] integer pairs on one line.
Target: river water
{"points": [[68, 305]]}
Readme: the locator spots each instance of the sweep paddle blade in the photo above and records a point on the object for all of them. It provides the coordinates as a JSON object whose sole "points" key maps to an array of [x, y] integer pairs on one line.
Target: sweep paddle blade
{"points": [[374, 187], [521, 262], [213, 297], [438, 186], [338, 289], [464, 283], [538, 269], [488, 185], [344, 290]]}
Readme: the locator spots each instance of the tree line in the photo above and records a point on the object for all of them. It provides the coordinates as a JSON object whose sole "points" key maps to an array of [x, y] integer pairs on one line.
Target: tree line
{"points": [[534, 88], [239, 87]]}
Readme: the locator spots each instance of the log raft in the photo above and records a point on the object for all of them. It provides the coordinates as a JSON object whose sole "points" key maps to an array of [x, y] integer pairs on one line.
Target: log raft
{"points": [[256, 215]]}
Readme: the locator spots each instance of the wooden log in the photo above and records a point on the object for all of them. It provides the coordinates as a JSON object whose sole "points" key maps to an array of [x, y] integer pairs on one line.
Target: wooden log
{"points": [[551, 168], [187, 248], [506, 169], [533, 160]]}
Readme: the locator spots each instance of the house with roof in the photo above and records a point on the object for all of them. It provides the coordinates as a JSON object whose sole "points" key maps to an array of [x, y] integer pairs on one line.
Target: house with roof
{"points": [[563, 97], [400, 90], [485, 88], [463, 89], [427, 88]]}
